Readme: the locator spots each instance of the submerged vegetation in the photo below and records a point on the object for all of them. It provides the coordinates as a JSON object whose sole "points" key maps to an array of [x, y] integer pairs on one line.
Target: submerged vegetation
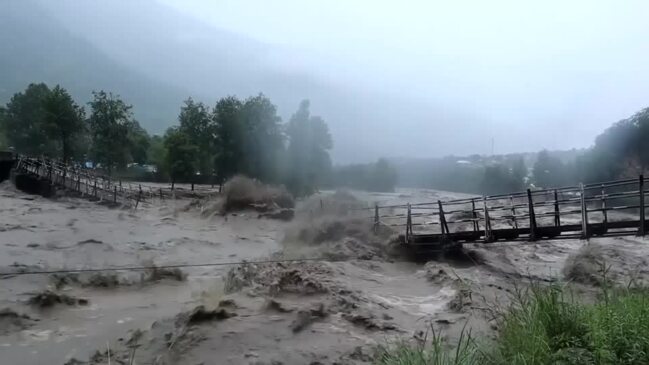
{"points": [[548, 325]]}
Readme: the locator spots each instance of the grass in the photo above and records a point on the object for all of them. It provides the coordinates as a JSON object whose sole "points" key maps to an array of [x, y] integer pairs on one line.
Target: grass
{"points": [[547, 325], [435, 353]]}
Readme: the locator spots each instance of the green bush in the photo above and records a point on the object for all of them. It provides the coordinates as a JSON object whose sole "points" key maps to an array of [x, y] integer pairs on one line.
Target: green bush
{"points": [[546, 325]]}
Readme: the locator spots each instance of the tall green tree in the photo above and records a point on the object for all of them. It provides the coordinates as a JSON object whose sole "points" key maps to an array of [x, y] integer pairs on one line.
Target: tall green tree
{"points": [[229, 137], [157, 155], [181, 156], [138, 143], [110, 120], [24, 121], [196, 124], [263, 139], [308, 151], [64, 122]]}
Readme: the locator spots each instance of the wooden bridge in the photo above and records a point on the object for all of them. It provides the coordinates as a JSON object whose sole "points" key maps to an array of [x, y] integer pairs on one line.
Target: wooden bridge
{"points": [[42, 176], [583, 211]]}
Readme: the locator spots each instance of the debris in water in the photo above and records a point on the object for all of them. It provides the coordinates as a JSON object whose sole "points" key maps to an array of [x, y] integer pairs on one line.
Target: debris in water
{"points": [[273, 305], [304, 318], [11, 320], [368, 321], [48, 299], [200, 314]]}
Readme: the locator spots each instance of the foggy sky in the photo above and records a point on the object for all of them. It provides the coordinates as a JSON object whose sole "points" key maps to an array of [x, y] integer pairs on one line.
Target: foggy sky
{"points": [[409, 78], [523, 68]]}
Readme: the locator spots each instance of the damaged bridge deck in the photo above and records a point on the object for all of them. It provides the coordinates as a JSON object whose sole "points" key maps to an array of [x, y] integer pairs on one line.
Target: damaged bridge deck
{"points": [[583, 211]]}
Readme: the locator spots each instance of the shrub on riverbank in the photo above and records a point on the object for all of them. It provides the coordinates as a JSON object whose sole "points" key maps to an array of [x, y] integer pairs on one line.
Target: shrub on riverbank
{"points": [[546, 325]]}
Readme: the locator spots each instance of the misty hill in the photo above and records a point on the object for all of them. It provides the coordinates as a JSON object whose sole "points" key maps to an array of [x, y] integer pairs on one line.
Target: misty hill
{"points": [[155, 57], [37, 48]]}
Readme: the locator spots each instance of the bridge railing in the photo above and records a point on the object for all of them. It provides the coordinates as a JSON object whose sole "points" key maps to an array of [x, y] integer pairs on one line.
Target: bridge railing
{"points": [[89, 183], [585, 207]]}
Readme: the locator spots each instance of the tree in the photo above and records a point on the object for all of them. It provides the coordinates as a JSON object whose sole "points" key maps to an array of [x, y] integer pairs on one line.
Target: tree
{"points": [[549, 171], [63, 122], [181, 156], [263, 142], [195, 123], [138, 143], [383, 177], [379, 176], [110, 120], [24, 121], [519, 173], [3, 134], [309, 143], [229, 137]]}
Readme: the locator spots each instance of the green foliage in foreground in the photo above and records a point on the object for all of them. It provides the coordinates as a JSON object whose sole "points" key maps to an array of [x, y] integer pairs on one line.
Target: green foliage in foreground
{"points": [[547, 326]]}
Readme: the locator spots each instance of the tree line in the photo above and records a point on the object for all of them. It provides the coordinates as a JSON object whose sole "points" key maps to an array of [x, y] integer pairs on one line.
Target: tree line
{"points": [[207, 145], [620, 151]]}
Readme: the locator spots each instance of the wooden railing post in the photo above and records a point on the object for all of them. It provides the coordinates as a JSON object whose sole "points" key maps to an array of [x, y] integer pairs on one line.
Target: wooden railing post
{"points": [[511, 200], [642, 212], [476, 226], [376, 216], [408, 225], [584, 213], [442, 219], [530, 207], [604, 212], [487, 222], [557, 213]]}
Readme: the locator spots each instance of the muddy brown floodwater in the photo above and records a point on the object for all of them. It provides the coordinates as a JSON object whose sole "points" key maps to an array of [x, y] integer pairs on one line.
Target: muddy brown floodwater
{"points": [[333, 311]]}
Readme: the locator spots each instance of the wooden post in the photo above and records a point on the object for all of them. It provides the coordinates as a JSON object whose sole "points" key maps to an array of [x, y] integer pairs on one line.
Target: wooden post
{"points": [[138, 199], [511, 200], [94, 188], [530, 207], [161, 197], [376, 215], [584, 213], [642, 212], [604, 212], [114, 193], [442, 219], [408, 225], [557, 213], [476, 226], [487, 221]]}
